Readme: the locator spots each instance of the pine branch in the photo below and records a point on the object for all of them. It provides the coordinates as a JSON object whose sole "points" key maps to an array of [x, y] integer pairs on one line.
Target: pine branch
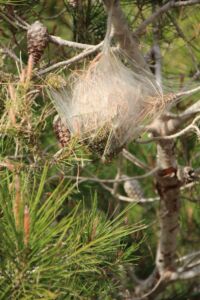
{"points": [[161, 10], [44, 252]]}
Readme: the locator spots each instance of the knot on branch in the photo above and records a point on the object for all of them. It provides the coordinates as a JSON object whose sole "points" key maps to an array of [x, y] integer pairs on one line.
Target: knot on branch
{"points": [[187, 175], [168, 183]]}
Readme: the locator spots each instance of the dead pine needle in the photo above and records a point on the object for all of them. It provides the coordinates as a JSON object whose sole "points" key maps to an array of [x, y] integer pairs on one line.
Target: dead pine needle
{"points": [[26, 225]]}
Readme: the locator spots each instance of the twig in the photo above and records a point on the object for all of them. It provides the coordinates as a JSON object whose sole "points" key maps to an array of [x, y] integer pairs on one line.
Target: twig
{"points": [[189, 185], [118, 176], [187, 93], [61, 42], [185, 275], [124, 198], [154, 288], [10, 53], [191, 110], [189, 256], [56, 16], [52, 38], [7, 19], [141, 200], [161, 10], [150, 173], [132, 158], [71, 60], [15, 21], [192, 126], [187, 43]]}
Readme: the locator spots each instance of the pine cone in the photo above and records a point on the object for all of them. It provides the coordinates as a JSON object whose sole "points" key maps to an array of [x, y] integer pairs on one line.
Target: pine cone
{"points": [[98, 143], [133, 189], [62, 132], [103, 145], [73, 3], [37, 40]]}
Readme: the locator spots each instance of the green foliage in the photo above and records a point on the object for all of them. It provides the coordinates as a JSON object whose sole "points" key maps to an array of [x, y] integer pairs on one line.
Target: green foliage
{"points": [[46, 256], [89, 20], [74, 248], [12, 2]]}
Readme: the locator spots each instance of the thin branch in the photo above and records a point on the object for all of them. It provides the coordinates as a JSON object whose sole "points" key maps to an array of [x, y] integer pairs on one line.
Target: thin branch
{"points": [[187, 43], [161, 10], [99, 180], [187, 93], [189, 185], [185, 275], [17, 22], [132, 158], [70, 61], [191, 110], [56, 16], [174, 121], [190, 127], [124, 198], [141, 200], [119, 174], [61, 42], [10, 53], [189, 256], [11, 21]]}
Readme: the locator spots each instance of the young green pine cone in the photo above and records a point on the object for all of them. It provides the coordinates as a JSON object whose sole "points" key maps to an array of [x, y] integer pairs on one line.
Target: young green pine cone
{"points": [[61, 131], [37, 40]]}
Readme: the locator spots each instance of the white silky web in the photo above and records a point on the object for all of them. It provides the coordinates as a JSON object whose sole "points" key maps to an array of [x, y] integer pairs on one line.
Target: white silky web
{"points": [[107, 103]]}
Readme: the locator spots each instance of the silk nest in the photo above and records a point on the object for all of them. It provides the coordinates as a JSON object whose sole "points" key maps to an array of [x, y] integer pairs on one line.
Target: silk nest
{"points": [[107, 104]]}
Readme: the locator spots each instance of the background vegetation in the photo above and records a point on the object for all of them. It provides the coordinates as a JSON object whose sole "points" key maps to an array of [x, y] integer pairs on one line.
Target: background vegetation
{"points": [[68, 237]]}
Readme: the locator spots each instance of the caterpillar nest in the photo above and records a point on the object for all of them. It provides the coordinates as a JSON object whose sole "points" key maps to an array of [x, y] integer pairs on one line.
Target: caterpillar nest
{"points": [[106, 104]]}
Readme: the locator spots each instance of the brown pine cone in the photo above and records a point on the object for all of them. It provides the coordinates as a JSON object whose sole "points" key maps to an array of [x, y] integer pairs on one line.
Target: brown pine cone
{"points": [[37, 40], [61, 131], [133, 189], [103, 144]]}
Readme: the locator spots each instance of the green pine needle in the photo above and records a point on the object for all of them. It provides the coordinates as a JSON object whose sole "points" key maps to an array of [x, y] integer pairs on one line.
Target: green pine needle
{"points": [[67, 257]]}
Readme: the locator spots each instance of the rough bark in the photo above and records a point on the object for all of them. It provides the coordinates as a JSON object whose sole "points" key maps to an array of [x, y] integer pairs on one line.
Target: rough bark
{"points": [[168, 186]]}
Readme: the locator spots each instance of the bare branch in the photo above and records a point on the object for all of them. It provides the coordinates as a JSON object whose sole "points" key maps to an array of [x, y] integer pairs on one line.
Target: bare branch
{"points": [[10, 53], [57, 15], [185, 275], [141, 200], [99, 180], [113, 192], [189, 92], [13, 21], [17, 22], [132, 158], [70, 61], [189, 256], [191, 127], [161, 10], [191, 110], [187, 43], [61, 42]]}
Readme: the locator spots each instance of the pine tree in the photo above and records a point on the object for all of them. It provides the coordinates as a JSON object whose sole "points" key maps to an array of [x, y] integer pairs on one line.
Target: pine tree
{"points": [[66, 230], [51, 246], [45, 254]]}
